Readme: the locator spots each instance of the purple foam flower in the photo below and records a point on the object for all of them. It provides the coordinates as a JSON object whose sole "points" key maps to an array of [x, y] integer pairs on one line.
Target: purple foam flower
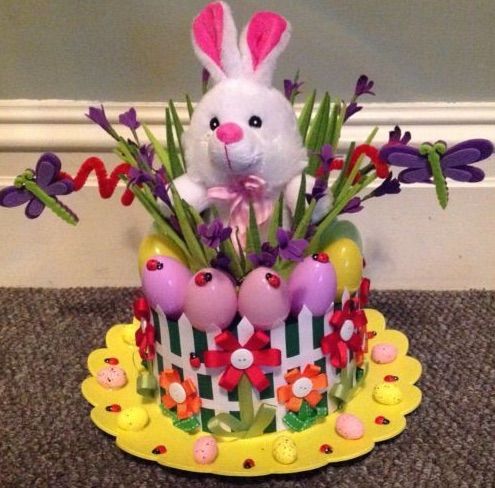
{"points": [[129, 119], [288, 248], [455, 162], [47, 177], [160, 190], [353, 206], [351, 109], [147, 154], [221, 261], [213, 234], [291, 89], [98, 116], [389, 186], [326, 156], [363, 86], [395, 136], [266, 258], [318, 191], [138, 177]]}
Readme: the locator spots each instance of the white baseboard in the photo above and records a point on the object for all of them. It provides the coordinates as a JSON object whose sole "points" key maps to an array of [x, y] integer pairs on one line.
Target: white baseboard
{"points": [[409, 241]]}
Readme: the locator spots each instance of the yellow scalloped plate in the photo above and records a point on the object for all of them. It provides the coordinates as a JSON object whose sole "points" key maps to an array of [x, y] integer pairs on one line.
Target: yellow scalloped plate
{"points": [[232, 454]]}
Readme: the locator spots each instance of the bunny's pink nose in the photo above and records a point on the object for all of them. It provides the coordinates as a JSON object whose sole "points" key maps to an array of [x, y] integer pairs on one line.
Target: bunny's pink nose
{"points": [[229, 133]]}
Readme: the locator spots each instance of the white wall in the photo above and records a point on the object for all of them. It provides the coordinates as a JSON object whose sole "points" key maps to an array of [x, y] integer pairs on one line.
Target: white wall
{"points": [[138, 52]]}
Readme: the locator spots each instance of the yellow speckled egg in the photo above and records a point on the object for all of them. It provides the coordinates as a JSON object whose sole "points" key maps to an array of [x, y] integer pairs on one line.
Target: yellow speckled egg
{"points": [[153, 245], [133, 418], [284, 450], [347, 260], [387, 394]]}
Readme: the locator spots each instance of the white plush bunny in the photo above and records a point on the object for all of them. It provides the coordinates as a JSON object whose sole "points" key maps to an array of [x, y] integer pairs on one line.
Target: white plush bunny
{"points": [[243, 143]]}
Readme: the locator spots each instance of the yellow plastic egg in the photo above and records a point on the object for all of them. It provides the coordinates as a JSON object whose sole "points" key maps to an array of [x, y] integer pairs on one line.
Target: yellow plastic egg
{"points": [[347, 260], [387, 394], [284, 450], [154, 245]]}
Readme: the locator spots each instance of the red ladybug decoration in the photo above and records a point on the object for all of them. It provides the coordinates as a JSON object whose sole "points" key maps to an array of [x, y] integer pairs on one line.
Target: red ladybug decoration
{"points": [[194, 360], [153, 265], [161, 449], [115, 408], [112, 361]]}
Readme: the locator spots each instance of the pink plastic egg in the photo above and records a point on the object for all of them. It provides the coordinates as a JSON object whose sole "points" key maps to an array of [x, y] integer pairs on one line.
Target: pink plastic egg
{"points": [[313, 283], [264, 298], [164, 281], [211, 300]]}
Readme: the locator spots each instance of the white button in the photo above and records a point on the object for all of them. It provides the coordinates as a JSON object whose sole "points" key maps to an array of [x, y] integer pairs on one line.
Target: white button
{"points": [[177, 392], [347, 330], [302, 387], [242, 358]]}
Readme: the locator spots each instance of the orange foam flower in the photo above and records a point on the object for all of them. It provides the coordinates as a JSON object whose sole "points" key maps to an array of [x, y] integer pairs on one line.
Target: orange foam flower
{"points": [[302, 386], [180, 394]]}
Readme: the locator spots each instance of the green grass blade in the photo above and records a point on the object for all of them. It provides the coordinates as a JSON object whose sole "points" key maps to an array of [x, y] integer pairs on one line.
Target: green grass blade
{"points": [[253, 235], [179, 129], [301, 202], [175, 163], [305, 115], [276, 221], [190, 108], [317, 132], [160, 151]]}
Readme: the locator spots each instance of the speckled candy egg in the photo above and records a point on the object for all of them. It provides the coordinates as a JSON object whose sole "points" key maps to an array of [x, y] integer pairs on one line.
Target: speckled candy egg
{"points": [[133, 419], [313, 283], [387, 394], [383, 353], [111, 377], [205, 450], [264, 298], [164, 281], [349, 426], [284, 450], [211, 300]]}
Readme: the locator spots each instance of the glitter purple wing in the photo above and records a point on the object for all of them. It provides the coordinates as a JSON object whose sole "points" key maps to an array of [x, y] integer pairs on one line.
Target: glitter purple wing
{"points": [[455, 161], [34, 208], [47, 169], [13, 197], [418, 169]]}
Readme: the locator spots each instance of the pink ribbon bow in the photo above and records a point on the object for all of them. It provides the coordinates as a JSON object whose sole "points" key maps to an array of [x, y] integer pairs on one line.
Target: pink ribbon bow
{"points": [[238, 194]]}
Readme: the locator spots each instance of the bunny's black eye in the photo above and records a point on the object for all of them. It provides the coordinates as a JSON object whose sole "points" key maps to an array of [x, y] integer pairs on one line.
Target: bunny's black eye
{"points": [[214, 123], [255, 121]]}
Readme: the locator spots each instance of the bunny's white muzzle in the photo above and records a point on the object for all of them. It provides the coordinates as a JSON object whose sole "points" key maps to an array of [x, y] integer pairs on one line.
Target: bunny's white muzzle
{"points": [[235, 150]]}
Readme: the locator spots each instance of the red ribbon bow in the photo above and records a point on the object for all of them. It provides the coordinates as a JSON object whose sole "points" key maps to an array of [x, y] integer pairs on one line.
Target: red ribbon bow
{"points": [[145, 335], [336, 345], [242, 359]]}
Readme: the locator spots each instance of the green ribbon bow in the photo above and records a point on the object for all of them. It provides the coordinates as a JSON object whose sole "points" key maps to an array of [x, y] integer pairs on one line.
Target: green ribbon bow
{"points": [[351, 378], [249, 424]]}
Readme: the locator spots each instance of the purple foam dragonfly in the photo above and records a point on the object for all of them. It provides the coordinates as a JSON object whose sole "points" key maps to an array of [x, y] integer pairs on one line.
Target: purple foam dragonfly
{"points": [[454, 162], [37, 188]]}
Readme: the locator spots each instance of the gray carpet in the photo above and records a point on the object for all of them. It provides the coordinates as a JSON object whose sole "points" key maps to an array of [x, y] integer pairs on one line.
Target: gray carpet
{"points": [[47, 438]]}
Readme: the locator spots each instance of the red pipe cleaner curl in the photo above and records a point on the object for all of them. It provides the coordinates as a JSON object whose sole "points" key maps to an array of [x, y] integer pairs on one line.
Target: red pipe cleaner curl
{"points": [[106, 183]]}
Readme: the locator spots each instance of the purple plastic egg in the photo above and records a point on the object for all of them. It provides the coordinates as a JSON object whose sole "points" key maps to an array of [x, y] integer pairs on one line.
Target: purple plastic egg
{"points": [[313, 283], [164, 281], [264, 298], [211, 300]]}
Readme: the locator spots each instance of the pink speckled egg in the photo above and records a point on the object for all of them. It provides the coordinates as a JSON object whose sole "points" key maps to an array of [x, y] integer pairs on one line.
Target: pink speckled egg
{"points": [[383, 353], [264, 298], [205, 450], [164, 281], [313, 283], [211, 300], [111, 377], [349, 426]]}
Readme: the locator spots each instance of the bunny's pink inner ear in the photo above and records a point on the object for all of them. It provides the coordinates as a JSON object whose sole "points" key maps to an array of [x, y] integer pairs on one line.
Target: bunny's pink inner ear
{"points": [[208, 31], [264, 33]]}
